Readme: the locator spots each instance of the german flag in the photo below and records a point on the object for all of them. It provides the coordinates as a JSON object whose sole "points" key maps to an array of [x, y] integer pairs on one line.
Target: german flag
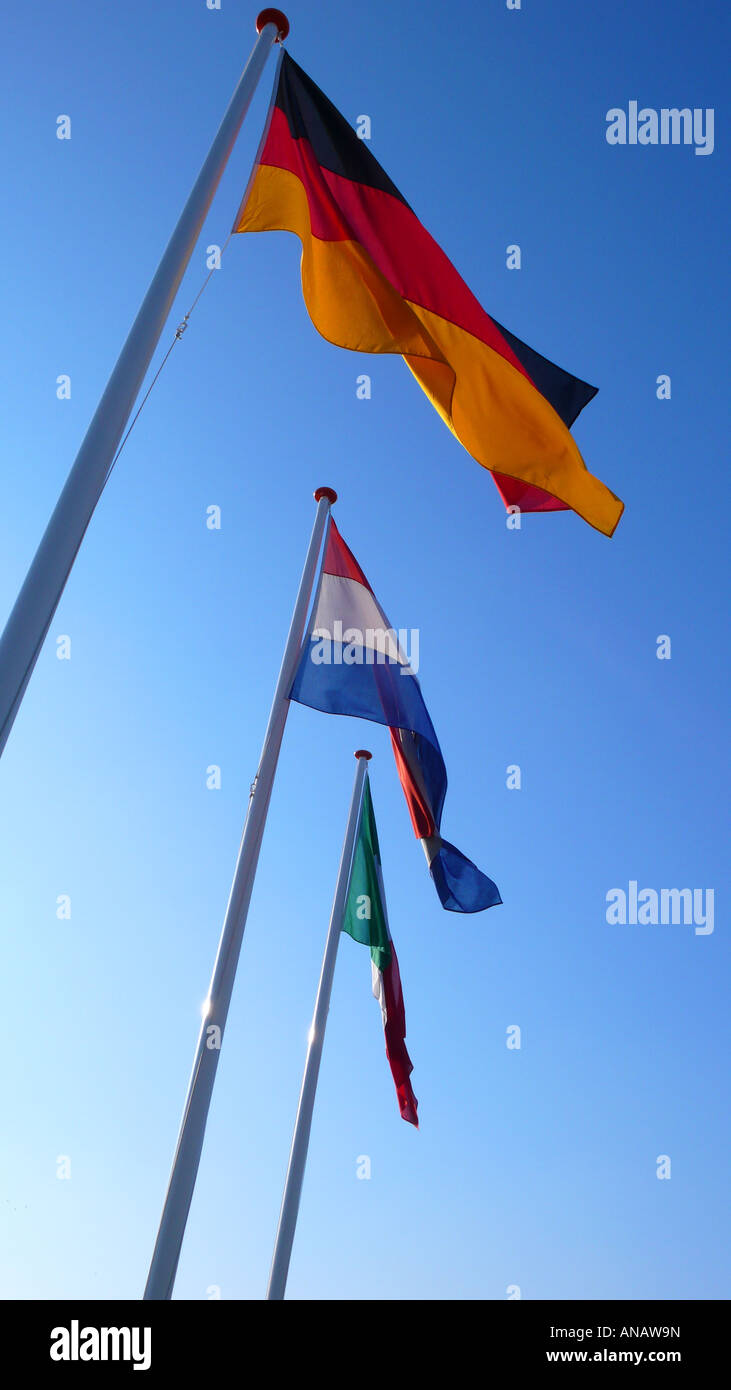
{"points": [[375, 281]]}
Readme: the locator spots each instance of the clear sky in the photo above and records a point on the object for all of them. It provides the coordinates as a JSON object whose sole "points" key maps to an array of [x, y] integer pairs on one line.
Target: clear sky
{"points": [[533, 1167]]}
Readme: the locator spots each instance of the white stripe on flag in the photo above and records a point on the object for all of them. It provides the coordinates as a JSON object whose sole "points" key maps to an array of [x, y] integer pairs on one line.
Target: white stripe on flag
{"points": [[378, 991], [354, 608]]}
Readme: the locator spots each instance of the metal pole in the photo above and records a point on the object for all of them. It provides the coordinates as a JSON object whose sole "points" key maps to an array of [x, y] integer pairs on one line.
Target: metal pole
{"points": [[183, 1174], [303, 1123], [38, 599]]}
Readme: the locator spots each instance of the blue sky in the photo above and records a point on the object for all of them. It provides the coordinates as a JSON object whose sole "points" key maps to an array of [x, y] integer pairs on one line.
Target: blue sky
{"points": [[536, 1167]]}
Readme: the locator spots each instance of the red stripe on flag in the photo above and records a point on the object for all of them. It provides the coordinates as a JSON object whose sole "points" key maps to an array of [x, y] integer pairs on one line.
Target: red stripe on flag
{"points": [[416, 799], [340, 561], [395, 1033], [526, 497]]}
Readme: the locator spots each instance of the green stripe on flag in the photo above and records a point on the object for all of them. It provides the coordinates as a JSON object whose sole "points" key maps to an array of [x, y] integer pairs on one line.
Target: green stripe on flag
{"points": [[365, 913]]}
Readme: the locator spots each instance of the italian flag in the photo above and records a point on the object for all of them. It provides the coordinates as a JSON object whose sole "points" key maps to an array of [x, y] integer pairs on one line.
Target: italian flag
{"points": [[366, 921]]}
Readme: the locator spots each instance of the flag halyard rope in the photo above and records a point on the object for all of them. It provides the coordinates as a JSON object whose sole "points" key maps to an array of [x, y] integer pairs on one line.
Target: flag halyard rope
{"points": [[180, 330]]}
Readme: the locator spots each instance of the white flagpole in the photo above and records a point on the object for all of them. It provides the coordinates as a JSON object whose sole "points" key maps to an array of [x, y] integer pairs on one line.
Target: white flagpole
{"points": [[303, 1123], [38, 599], [183, 1174]]}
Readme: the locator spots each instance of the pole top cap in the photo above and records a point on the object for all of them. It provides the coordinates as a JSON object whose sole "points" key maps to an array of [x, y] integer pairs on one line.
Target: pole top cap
{"points": [[328, 492], [273, 17], [363, 753]]}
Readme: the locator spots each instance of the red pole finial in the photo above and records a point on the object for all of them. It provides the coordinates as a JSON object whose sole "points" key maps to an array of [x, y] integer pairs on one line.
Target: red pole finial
{"points": [[328, 492], [363, 753], [273, 17]]}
